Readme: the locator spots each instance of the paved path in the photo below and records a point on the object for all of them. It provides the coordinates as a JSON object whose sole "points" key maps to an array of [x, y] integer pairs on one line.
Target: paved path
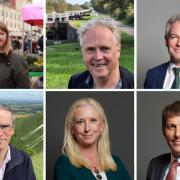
{"points": [[123, 27], [127, 29]]}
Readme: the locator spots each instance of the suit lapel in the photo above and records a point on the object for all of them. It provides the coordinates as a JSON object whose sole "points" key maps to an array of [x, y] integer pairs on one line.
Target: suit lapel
{"points": [[164, 166], [162, 75]]}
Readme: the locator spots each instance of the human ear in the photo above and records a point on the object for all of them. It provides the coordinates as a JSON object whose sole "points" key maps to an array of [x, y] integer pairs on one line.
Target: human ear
{"points": [[12, 131], [166, 41]]}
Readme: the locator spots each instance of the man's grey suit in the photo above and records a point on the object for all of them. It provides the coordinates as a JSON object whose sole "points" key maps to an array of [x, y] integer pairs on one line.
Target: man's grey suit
{"points": [[157, 167]]}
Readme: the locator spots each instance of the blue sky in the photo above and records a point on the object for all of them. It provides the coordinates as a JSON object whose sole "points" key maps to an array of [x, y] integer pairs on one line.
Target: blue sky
{"points": [[21, 95], [77, 1]]}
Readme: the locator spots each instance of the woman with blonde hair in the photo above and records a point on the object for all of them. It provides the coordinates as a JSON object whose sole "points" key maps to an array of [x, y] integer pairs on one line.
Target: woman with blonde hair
{"points": [[13, 68], [86, 148]]}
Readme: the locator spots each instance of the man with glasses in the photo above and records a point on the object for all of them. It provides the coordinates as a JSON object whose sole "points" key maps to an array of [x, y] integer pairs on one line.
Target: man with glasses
{"points": [[167, 75], [14, 164]]}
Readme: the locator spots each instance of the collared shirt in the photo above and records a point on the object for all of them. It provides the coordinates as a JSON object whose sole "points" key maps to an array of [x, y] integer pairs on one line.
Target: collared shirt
{"points": [[5, 161], [89, 83], [170, 76], [178, 168], [103, 175]]}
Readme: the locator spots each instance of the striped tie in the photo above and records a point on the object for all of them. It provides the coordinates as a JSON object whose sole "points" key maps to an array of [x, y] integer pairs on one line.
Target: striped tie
{"points": [[172, 171]]}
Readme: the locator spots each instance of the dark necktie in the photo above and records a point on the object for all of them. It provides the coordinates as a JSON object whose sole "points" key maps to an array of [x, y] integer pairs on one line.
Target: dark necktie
{"points": [[172, 171], [176, 83]]}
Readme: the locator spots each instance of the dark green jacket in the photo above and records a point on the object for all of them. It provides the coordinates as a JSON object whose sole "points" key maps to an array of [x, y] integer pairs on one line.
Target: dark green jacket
{"points": [[64, 170]]}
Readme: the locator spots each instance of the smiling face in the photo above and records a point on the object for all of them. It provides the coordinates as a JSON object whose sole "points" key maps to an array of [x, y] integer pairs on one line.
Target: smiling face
{"points": [[101, 52], [3, 38], [87, 126], [172, 134], [173, 42]]}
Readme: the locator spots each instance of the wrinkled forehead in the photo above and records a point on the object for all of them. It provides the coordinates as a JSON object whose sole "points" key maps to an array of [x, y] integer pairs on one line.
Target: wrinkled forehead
{"points": [[5, 116]]}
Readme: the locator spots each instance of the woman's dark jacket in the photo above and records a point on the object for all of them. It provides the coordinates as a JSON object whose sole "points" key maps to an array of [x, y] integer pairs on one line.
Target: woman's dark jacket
{"points": [[13, 72]]}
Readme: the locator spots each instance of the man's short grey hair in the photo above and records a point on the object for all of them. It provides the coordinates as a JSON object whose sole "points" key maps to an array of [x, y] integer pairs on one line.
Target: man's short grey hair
{"points": [[169, 23], [110, 23], [8, 108]]}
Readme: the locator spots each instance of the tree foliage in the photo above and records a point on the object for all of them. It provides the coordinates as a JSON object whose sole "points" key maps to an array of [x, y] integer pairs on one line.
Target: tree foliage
{"points": [[120, 9], [61, 6]]}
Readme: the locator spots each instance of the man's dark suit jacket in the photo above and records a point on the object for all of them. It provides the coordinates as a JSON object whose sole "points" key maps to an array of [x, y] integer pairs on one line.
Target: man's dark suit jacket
{"points": [[157, 167], [78, 81], [155, 77]]}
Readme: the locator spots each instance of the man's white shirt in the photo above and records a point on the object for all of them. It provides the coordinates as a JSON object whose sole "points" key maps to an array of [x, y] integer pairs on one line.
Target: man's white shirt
{"points": [[5, 161], [170, 76], [178, 168]]}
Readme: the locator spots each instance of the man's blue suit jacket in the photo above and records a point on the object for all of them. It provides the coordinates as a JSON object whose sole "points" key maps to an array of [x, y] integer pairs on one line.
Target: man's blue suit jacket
{"points": [[155, 77], [157, 167]]}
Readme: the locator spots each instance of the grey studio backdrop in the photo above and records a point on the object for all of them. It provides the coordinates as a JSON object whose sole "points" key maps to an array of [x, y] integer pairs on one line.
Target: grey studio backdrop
{"points": [[150, 140], [152, 16], [119, 109]]}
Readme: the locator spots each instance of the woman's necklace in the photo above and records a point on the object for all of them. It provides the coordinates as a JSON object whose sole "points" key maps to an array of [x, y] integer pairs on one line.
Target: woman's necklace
{"points": [[98, 176]]}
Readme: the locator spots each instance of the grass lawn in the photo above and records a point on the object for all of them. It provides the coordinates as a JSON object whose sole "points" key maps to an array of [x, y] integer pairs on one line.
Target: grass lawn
{"points": [[66, 59], [37, 160]]}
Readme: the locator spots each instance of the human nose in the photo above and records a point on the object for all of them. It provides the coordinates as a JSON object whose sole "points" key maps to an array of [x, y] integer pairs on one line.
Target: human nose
{"points": [[178, 41], [177, 132], [1, 131], [98, 54], [87, 127]]}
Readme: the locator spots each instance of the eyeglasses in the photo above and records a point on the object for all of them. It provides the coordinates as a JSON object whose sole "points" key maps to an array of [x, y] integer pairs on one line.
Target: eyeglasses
{"points": [[98, 176], [5, 128], [173, 37]]}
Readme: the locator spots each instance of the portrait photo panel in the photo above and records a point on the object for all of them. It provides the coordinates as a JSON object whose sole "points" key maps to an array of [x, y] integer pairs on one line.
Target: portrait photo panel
{"points": [[152, 17], [151, 142], [119, 109]]}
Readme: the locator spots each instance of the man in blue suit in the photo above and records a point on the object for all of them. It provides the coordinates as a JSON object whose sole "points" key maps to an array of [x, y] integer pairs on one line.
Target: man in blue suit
{"points": [[165, 76], [167, 166]]}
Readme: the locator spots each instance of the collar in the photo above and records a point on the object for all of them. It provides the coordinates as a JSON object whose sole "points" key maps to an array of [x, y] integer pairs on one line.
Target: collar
{"points": [[173, 158], [119, 85], [7, 157], [2, 55], [171, 66], [89, 82]]}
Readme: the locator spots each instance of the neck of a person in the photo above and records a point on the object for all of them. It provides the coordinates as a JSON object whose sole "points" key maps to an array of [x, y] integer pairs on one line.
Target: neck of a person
{"points": [[3, 153], [176, 62], [109, 82], [91, 154]]}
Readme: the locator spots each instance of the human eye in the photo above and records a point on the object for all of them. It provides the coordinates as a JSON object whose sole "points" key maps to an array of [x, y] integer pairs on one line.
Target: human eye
{"points": [[170, 126], [105, 49], [93, 120], [79, 122], [173, 37], [5, 127], [90, 49]]}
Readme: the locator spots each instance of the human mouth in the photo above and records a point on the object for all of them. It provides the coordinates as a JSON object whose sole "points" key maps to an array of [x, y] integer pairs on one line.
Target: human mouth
{"points": [[177, 50], [99, 64], [87, 136], [2, 140], [175, 142]]}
